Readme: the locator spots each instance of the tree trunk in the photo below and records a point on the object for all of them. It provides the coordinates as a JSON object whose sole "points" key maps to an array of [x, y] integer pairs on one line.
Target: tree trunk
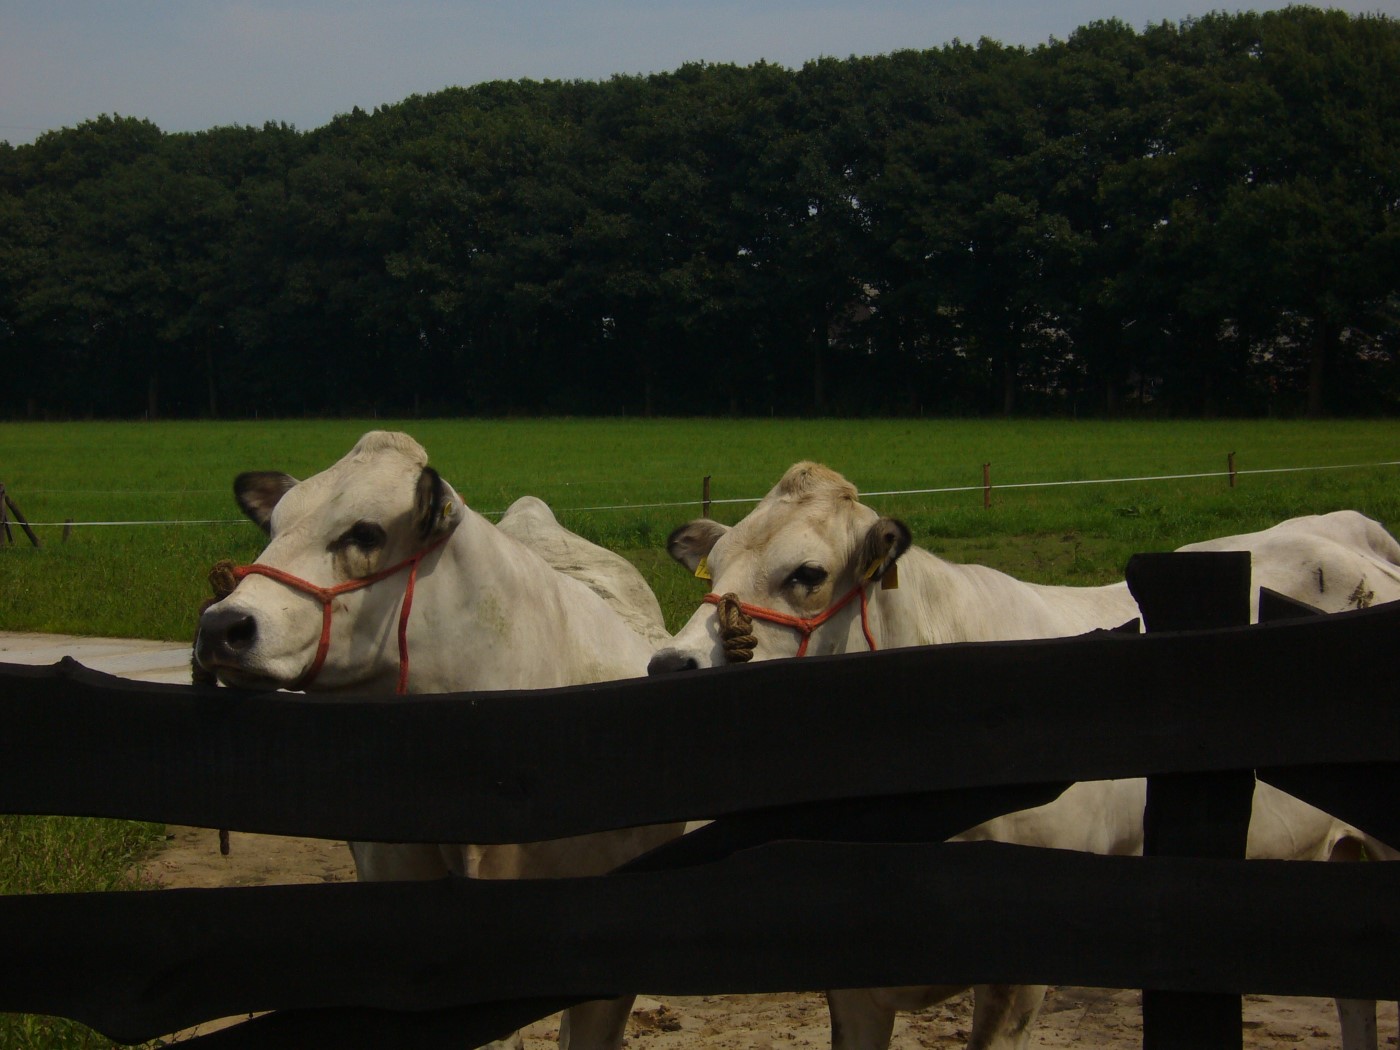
{"points": [[1008, 382], [1317, 369], [209, 378]]}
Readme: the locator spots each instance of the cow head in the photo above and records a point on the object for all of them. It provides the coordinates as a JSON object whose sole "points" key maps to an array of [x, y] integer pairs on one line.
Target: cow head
{"points": [[804, 548], [376, 507]]}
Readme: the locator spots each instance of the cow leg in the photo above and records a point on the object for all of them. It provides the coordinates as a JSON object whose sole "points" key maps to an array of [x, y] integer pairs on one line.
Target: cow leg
{"points": [[397, 862], [1358, 1018], [1003, 1014], [863, 1018], [597, 1025]]}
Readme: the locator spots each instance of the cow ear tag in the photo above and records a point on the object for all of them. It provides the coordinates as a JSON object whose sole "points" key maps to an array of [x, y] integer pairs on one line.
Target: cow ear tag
{"points": [[889, 581], [446, 515], [702, 570]]}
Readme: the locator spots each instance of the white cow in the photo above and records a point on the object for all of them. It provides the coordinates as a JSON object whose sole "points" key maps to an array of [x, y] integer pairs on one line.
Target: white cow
{"points": [[810, 570], [1334, 562], [610, 576], [378, 578]]}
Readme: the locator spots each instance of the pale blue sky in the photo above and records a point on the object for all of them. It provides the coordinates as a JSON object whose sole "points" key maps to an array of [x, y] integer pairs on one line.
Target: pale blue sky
{"points": [[194, 64]]}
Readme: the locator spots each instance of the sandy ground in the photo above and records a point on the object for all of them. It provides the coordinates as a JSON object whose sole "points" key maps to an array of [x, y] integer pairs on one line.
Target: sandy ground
{"points": [[1078, 1017]]}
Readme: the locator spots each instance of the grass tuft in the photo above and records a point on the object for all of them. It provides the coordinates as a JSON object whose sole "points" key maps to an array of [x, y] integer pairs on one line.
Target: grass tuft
{"points": [[66, 855]]}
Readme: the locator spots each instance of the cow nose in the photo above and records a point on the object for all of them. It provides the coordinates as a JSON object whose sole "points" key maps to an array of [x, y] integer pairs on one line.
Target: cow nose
{"points": [[226, 633], [668, 660]]}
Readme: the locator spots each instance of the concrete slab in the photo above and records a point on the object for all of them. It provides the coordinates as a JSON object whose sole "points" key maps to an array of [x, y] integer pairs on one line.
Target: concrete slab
{"points": [[135, 658]]}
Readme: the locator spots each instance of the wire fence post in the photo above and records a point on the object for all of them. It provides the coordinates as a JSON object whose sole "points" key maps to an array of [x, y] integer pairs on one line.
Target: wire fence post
{"points": [[986, 486], [8, 505], [705, 498], [1230, 465]]}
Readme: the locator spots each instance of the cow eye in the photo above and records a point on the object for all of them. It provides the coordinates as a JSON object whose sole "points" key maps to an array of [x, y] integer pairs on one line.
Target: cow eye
{"points": [[809, 576], [365, 535]]}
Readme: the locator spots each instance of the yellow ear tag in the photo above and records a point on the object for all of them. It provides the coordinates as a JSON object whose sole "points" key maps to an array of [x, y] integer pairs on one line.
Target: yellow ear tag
{"points": [[702, 571], [889, 581]]}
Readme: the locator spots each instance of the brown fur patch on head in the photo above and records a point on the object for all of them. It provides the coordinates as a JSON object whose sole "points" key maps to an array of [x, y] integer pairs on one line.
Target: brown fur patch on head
{"points": [[811, 481]]}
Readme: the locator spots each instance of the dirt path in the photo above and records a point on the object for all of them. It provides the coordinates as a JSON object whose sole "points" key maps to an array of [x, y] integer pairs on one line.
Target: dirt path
{"points": [[1077, 1017]]}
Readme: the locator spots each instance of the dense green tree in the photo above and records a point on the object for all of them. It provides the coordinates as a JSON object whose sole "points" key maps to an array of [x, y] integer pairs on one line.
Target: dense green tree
{"points": [[1195, 218]]}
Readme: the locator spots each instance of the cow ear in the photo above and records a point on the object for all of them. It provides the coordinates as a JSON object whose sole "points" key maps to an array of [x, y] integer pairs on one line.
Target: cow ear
{"points": [[887, 539], [691, 543], [436, 508], [259, 491]]}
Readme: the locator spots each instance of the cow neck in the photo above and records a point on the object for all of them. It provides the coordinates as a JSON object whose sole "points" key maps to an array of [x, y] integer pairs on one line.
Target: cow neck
{"points": [[327, 595], [805, 625]]}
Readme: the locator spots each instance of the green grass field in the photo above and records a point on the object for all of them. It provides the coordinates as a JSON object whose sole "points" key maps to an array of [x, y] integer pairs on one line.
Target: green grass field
{"points": [[147, 580], [603, 477]]}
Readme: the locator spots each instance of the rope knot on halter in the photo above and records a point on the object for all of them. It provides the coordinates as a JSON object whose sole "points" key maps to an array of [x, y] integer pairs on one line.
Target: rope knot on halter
{"points": [[735, 629], [736, 621], [222, 581]]}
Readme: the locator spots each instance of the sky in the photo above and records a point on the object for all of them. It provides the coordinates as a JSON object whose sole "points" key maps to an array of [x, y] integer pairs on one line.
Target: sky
{"points": [[189, 65]]}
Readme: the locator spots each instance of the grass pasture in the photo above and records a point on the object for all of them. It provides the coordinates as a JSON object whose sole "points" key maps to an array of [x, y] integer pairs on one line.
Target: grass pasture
{"points": [[606, 477], [626, 484]]}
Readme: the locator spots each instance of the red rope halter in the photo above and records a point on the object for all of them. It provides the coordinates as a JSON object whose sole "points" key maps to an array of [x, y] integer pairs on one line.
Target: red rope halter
{"points": [[805, 625], [326, 595]]}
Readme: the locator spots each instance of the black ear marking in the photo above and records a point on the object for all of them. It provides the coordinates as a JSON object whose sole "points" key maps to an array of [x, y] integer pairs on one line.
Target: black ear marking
{"points": [[258, 492], [887, 539], [434, 509]]}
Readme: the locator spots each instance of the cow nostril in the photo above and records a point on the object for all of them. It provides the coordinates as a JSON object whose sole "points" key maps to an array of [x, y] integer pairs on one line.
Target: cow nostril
{"points": [[669, 660], [241, 634], [226, 631]]}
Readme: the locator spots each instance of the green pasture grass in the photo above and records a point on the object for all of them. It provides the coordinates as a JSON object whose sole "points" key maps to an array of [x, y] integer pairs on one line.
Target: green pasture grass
{"points": [[65, 855], [70, 855], [604, 477]]}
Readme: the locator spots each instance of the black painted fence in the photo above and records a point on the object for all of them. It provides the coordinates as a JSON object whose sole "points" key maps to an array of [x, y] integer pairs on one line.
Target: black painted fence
{"points": [[833, 781]]}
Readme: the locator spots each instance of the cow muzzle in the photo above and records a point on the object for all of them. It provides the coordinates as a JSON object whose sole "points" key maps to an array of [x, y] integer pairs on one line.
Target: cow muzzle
{"points": [[665, 661], [225, 636]]}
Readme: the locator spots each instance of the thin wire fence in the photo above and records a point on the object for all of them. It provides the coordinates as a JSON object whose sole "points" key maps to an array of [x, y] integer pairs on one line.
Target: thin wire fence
{"points": [[985, 487]]}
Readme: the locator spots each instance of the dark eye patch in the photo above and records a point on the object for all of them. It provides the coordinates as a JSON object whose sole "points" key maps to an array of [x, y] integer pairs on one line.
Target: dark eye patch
{"points": [[809, 576], [365, 535]]}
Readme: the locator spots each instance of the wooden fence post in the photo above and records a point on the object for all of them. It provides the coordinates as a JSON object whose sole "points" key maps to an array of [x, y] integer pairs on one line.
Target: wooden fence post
{"points": [[1230, 464], [6, 503], [1199, 814], [986, 486], [705, 498]]}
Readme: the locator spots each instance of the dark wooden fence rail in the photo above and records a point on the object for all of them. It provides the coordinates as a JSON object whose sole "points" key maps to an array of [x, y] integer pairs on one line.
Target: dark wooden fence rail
{"points": [[834, 780]]}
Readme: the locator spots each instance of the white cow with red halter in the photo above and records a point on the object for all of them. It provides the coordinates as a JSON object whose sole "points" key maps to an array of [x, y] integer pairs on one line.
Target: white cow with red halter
{"points": [[812, 570], [378, 578]]}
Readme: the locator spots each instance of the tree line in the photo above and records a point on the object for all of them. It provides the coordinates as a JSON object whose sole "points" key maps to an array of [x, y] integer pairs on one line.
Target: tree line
{"points": [[1192, 218]]}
